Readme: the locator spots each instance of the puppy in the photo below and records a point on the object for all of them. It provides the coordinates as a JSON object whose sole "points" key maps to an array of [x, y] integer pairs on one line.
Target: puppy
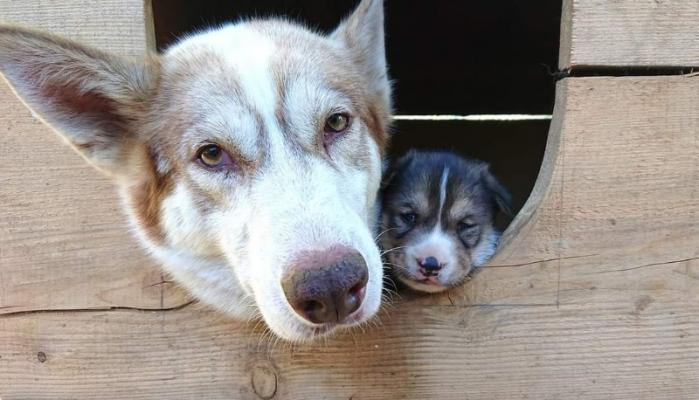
{"points": [[438, 218]]}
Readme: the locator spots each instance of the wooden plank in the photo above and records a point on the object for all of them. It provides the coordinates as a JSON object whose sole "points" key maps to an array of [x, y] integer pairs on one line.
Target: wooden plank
{"points": [[120, 26], [622, 159], [594, 294], [64, 243], [647, 350], [629, 33]]}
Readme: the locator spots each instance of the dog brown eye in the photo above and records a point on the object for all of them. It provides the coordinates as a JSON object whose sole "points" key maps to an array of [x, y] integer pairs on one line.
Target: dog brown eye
{"points": [[214, 157], [337, 123], [211, 155]]}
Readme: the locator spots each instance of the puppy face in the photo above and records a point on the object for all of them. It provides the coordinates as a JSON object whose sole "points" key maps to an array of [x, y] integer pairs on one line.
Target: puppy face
{"points": [[437, 218]]}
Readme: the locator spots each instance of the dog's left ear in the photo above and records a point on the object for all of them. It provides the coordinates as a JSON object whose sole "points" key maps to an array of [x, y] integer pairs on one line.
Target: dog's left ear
{"points": [[363, 34], [93, 99], [501, 196]]}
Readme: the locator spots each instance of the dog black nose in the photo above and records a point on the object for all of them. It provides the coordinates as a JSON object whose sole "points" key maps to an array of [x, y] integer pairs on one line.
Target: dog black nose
{"points": [[326, 287], [431, 264]]}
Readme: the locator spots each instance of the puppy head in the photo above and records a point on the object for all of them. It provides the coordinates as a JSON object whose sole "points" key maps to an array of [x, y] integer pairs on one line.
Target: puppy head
{"points": [[437, 218], [257, 146]]}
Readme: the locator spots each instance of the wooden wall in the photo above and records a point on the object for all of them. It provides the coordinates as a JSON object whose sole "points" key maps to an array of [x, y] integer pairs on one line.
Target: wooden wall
{"points": [[594, 294], [629, 33], [64, 242]]}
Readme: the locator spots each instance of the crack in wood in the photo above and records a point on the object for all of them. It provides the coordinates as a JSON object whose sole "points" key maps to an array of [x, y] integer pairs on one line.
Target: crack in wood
{"points": [[539, 261], [488, 305], [646, 266], [97, 309], [514, 305], [612, 72]]}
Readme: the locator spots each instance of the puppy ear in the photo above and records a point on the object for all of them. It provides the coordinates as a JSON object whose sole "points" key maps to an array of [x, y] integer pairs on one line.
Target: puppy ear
{"points": [[91, 98], [501, 196], [363, 34], [396, 166]]}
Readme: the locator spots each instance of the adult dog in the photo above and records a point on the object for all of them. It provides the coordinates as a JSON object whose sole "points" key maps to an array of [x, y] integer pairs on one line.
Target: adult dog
{"points": [[248, 157]]}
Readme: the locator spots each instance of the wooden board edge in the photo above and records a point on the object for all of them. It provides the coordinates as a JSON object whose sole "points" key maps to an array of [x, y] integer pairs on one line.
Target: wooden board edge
{"points": [[566, 41], [515, 235]]}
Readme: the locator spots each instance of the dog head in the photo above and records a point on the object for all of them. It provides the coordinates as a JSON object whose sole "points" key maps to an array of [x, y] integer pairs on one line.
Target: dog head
{"points": [[248, 157], [437, 219]]}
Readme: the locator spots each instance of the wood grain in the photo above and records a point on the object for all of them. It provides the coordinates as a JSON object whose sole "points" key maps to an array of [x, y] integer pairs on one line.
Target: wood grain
{"points": [[594, 294], [646, 350], [629, 33], [64, 242], [123, 27]]}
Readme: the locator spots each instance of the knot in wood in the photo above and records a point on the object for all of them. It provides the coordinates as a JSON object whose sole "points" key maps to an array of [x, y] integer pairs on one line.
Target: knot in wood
{"points": [[264, 380]]}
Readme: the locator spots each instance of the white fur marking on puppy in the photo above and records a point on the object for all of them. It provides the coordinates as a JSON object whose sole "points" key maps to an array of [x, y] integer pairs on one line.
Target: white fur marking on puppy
{"points": [[442, 195], [486, 249], [439, 245]]}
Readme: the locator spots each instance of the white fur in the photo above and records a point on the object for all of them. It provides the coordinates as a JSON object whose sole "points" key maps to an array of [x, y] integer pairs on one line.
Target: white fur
{"points": [[442, 194], [296, 205], [485, 249]]}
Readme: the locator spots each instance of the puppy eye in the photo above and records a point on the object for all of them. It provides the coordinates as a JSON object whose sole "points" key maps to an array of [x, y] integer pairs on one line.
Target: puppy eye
{"points": [[465, 225], [214, 157], [409, 217], [337, 123]]}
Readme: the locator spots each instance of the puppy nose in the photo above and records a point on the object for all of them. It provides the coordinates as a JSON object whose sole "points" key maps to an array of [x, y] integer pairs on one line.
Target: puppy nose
{"points": [[431, 265], [326, 287]]}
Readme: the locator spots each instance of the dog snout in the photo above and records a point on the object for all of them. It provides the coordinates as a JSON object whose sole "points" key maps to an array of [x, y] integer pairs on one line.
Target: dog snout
{"points": [[326, 287]]}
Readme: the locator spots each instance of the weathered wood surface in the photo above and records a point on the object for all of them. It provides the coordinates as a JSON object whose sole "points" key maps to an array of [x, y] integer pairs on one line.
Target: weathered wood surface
{"points": [[121, 26], [64, 242], [594, 294], [645, 33]]}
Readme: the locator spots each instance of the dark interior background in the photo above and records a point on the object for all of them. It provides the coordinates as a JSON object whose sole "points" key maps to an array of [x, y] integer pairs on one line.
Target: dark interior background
{"points": [[446, 57]]}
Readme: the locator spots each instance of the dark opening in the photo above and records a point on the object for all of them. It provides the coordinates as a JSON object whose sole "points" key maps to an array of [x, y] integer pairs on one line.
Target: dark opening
{"points": [[446, 57]]}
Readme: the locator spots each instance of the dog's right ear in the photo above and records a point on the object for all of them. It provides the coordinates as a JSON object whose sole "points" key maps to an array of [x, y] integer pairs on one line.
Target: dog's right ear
{"points": [[91, 98]]}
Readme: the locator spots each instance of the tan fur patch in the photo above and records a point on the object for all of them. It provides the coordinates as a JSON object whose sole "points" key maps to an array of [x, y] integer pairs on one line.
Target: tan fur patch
{"points": [[459, 208], [377, 120], [146, 200]]}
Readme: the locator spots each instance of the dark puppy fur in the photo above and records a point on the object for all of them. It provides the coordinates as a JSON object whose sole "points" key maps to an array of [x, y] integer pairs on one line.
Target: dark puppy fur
{"points": [[438, 218]]}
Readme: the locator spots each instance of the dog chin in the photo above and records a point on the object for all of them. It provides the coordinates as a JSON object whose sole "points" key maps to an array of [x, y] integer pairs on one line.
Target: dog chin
{"points": [[423, 287], [298, 331], [303, 332]]}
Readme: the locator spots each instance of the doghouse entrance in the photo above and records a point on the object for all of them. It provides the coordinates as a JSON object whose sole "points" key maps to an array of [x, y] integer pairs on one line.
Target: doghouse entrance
{"points": [[483, 59]]}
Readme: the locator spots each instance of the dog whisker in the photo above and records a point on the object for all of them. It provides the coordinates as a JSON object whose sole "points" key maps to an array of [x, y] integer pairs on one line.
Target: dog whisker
{"points": [[383, 232], [383, 253]]}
